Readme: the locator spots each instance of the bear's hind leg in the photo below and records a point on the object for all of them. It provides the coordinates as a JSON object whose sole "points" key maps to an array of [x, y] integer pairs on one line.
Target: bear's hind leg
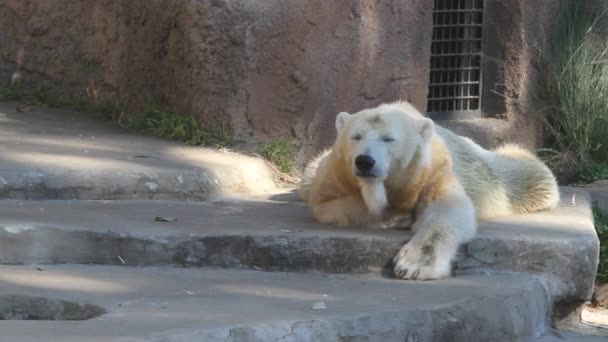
{"points": [[442, 227]]}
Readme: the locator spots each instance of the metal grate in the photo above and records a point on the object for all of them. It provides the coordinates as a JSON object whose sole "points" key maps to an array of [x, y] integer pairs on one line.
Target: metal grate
{"points": [[455, 79]]}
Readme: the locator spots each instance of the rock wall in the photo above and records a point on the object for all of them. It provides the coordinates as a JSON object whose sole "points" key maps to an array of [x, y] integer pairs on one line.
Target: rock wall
{"points": [[269, 69], [274, 68]]}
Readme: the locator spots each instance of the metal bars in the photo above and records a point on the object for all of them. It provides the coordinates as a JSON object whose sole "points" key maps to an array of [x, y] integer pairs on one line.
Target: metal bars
{"points": [[455, 77]]}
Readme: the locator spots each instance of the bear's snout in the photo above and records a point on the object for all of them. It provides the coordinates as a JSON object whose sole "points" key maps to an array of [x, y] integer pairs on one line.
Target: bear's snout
{"points": [[364, 164]]}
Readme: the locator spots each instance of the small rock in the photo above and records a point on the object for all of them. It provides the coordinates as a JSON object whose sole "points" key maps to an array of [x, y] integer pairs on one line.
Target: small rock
{"points": [[165, 219], [151, 186], [319, 306], [22, 108]]}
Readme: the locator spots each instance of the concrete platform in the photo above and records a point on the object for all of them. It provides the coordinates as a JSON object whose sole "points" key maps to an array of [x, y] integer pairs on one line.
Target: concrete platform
{"points": [[559, 246], [167, 304], [55, 154]]}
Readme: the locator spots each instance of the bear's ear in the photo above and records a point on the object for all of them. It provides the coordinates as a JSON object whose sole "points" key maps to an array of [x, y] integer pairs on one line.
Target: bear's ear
{"points": [[341, 120], [426, 129]]}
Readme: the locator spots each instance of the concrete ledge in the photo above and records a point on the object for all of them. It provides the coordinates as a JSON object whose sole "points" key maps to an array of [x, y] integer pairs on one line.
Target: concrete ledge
{"points": [[54, 154], [160, 304], [560, 246]]}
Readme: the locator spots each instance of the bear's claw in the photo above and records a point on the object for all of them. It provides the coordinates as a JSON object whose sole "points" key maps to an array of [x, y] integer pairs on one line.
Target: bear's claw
{"points": [[411, 264]]}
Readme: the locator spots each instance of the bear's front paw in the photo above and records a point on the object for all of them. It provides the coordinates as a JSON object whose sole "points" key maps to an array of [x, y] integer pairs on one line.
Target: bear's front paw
{"points": [[412, 263]]}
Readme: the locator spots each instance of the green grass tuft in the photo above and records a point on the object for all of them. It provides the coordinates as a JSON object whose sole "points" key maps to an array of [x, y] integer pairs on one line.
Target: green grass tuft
{"points": [[600, 217], [184, 129], [8, 94], [577, 85], [279, 153]]}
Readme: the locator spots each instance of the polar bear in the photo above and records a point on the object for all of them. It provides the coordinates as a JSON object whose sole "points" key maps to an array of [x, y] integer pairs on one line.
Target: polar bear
{"points": [[391, 161]]}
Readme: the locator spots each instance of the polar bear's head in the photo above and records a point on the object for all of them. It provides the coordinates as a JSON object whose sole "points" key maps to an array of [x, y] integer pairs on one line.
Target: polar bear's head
{"points": [[376, 142]]}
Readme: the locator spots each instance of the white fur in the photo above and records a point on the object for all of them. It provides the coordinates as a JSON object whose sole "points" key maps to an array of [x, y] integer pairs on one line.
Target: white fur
{"points": [[506, 181], [374, 196], [446, 224], [341, 120]]}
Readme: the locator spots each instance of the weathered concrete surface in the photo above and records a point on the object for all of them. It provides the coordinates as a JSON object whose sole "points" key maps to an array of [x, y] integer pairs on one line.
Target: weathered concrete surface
{"points": [[161, 304], [561, 246], [596, 317], [60, 154], [598, 192]]}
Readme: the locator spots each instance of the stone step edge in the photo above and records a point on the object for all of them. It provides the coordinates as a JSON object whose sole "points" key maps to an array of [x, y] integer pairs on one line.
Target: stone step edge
{"points": [[296, 254], [526, 317], [196, 184]]}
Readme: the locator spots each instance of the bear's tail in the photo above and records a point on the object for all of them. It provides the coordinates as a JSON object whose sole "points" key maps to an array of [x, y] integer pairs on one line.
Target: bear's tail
{"points": [[309, 173], [530, 185]]}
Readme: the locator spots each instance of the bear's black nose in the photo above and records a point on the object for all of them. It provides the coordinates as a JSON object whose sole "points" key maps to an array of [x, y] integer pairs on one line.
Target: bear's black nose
{"points": [[364, 163]]}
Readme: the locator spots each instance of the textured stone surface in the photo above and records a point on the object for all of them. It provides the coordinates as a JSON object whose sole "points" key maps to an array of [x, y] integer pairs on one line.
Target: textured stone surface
{"points": [[57, 154], [560, 246], [269, 69], [160, 304], [516, 34]]}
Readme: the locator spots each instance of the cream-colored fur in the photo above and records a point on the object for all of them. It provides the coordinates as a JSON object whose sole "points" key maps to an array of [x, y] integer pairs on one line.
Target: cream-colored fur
{"points": [[445, 181]]}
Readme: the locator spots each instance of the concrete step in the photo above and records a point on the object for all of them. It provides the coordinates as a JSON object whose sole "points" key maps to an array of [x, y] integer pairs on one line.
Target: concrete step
{"points": [[168, 304], [55, 154], [279, 234]]}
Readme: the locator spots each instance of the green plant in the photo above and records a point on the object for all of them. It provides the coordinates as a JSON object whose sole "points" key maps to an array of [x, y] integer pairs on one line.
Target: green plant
{"points": [[600, 217], [184, 129], [33, 97], [577, 85], [592, 172], [8, 94], [280, 154]]}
